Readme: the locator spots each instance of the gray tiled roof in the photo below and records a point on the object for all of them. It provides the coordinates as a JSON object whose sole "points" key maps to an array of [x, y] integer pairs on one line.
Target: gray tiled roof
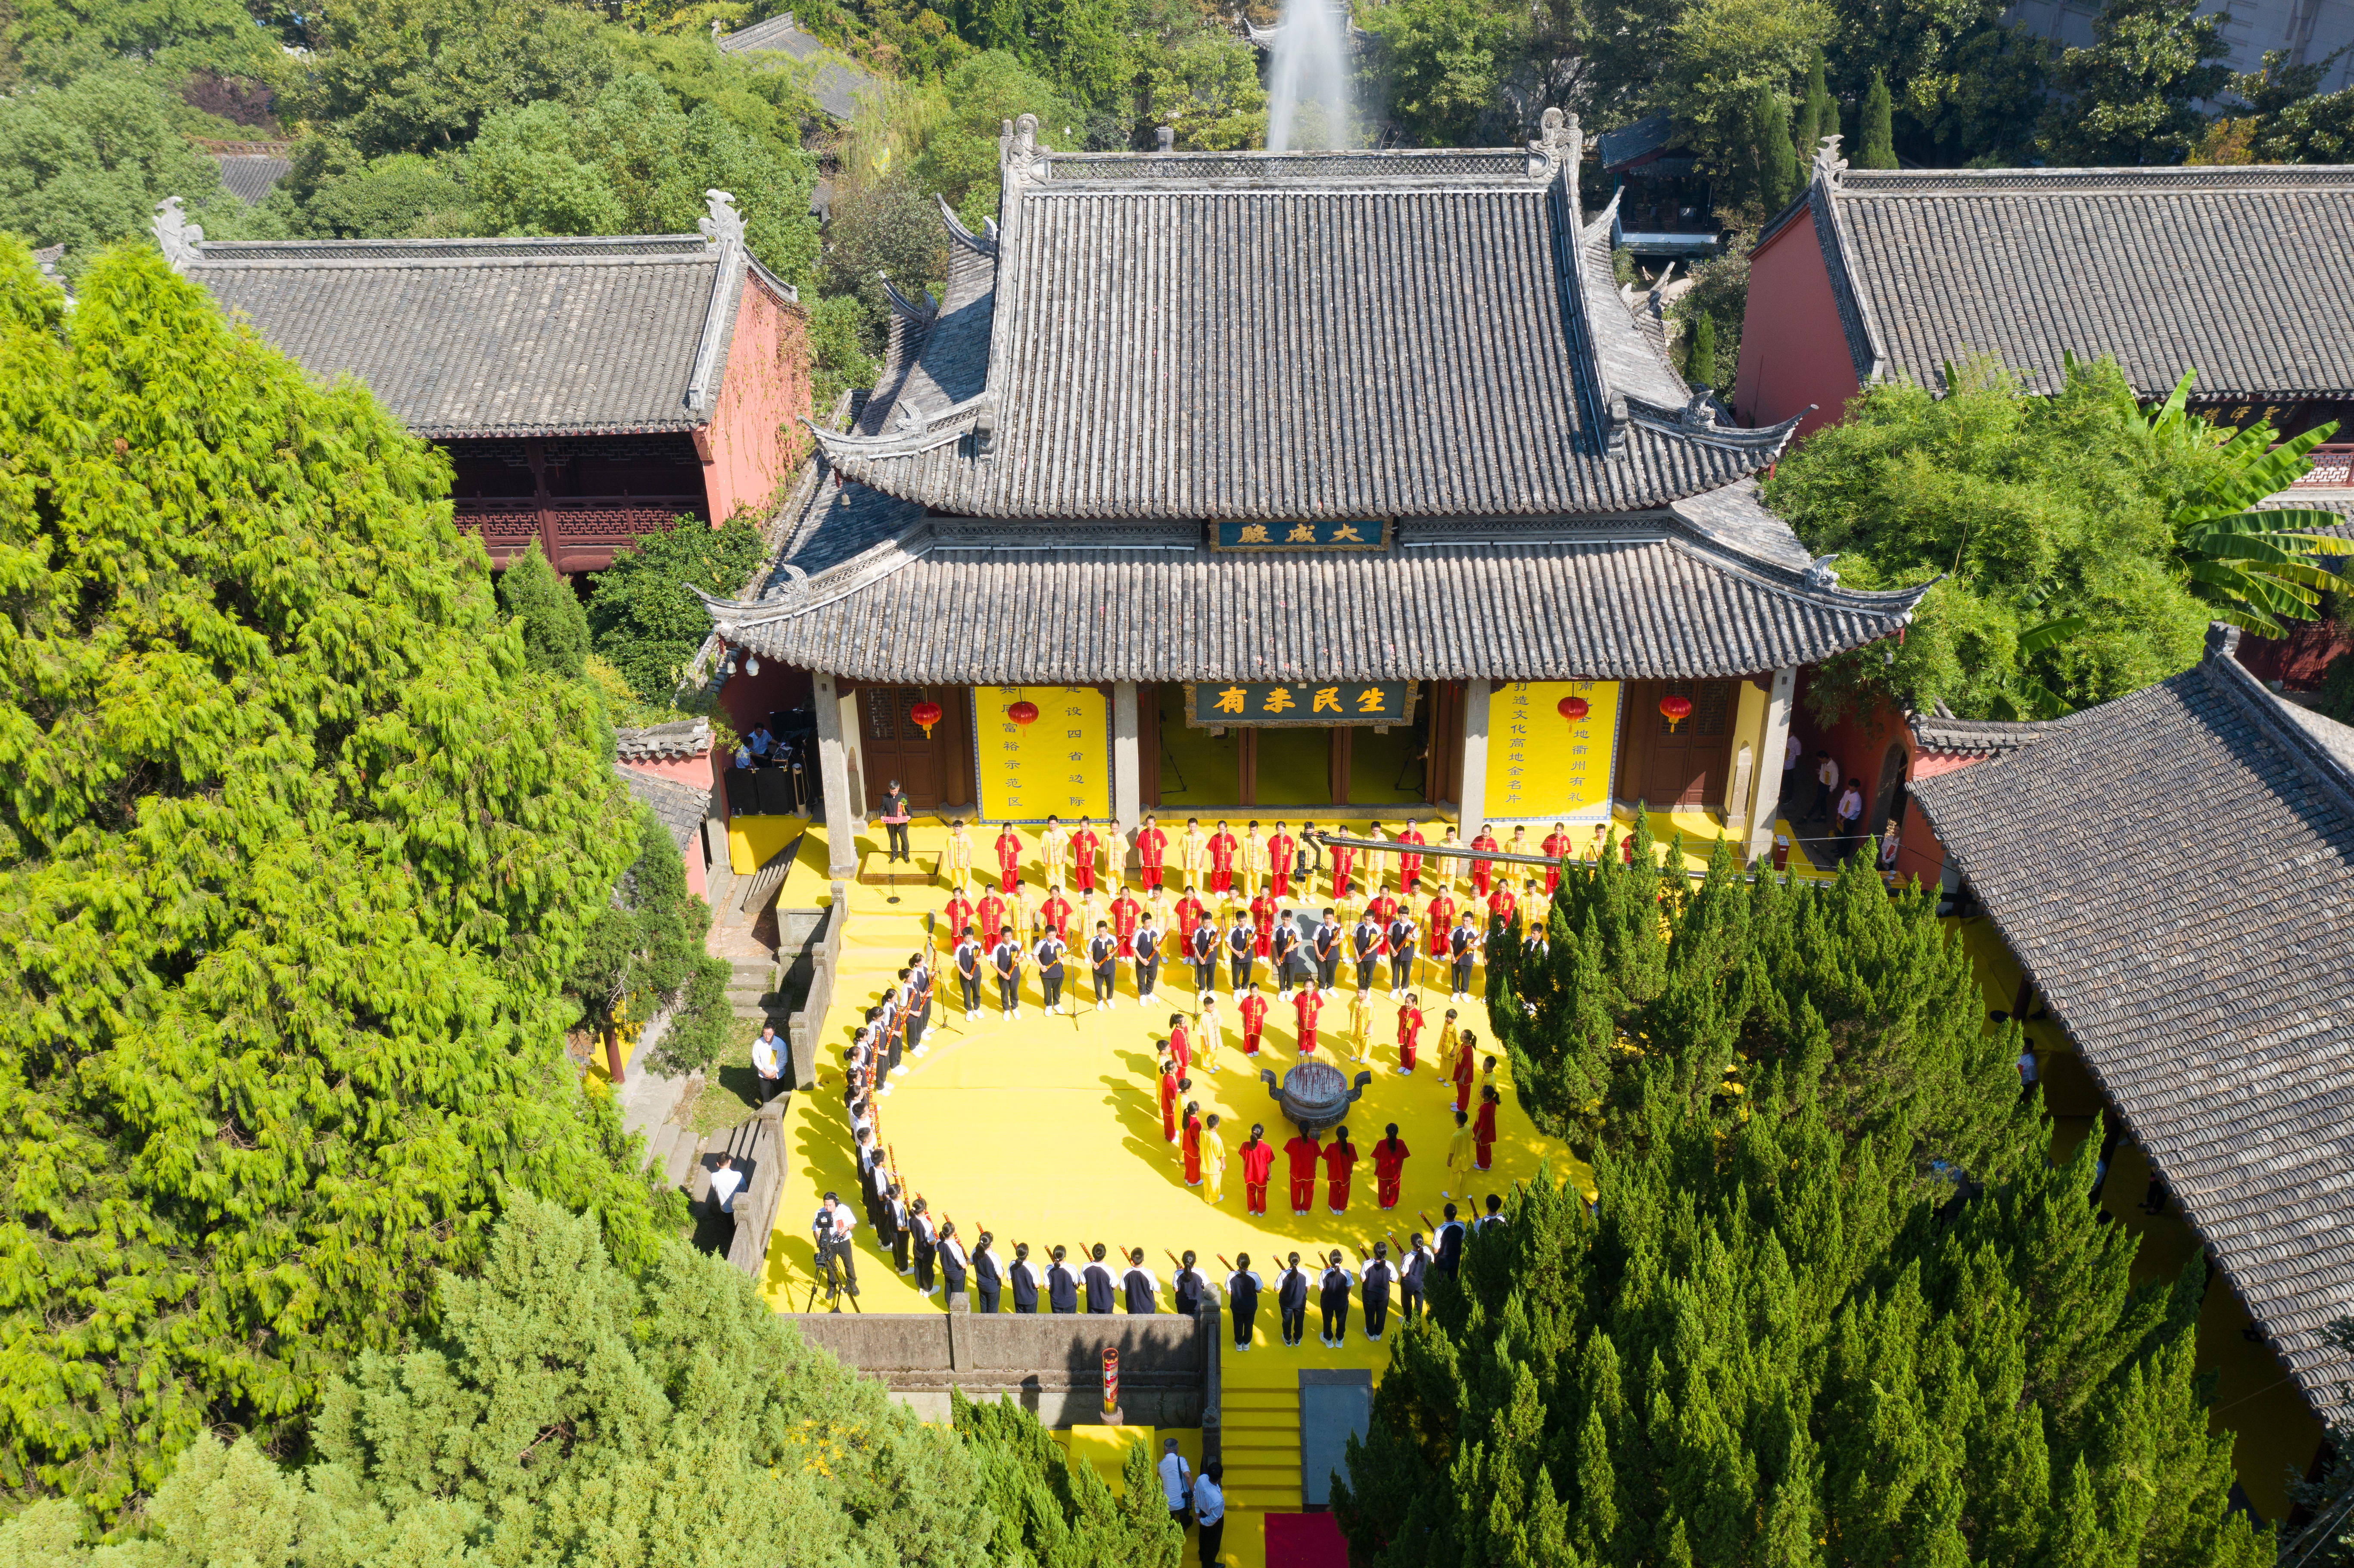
{"points": [[1044, 603], [1942, 731], [1616, 148], [681, 807], [835, 83], [661, 742], [2241, 273], [248, 175], [1271, 335], [501, 337], [2196, 936]]}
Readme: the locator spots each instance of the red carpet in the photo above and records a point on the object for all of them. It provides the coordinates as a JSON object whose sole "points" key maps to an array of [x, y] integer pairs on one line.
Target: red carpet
{"points": [[1305, 1541]]}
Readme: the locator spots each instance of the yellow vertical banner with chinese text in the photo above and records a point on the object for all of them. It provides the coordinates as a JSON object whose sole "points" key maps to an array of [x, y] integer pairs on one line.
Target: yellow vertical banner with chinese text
{"points": [[1059, 765], [1544, 765]]}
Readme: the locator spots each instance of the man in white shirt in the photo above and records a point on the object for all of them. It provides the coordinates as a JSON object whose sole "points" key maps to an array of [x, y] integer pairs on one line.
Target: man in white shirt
{"points": [[1176, 1482], [1209, 1510], [768, 1063], [724, 1183], [830, 1231]]}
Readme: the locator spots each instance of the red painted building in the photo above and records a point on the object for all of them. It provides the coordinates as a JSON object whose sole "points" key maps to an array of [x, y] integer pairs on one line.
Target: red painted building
{"points": [[1895, 274], [586, 390]]}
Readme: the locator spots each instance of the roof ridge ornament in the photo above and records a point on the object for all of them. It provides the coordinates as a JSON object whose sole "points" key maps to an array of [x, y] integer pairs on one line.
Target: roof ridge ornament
{"points": [[182, 242], [919, 310], [985, 242], [1818, 573], [1829, 165], [1557, 143], [1018, 153], [1699, 414], [724, 226]]}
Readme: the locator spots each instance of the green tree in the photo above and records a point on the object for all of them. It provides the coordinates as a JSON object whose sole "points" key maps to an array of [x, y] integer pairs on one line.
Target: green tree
{"points": [[1083, 46], [1052, 1513], [554, 628], [1441, 64], [1207, 89], [333, 193], [1818, 115], [642, 612], [297, 849], [84, 164], [2031, 509], [421, 76], [565, 1409], [1773, 1343], [1699, 357], [1771, 180], [2279, 115], [643, 954], [1878, 127], [2134, 97], [1724, 58]]}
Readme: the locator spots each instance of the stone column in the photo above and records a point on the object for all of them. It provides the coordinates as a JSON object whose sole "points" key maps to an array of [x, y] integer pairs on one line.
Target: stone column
{"points": [[1127, 776], [1474, 802], [833, 735], [1767, 792]]}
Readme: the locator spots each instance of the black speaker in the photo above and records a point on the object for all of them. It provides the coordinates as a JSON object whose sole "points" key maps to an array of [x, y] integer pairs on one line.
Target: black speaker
{"points": [[776, 792], [743, 794]]}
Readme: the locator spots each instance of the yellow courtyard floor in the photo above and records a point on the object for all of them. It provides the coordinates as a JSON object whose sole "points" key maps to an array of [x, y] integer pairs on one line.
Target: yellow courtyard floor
{"points": [[1046, 1131]]}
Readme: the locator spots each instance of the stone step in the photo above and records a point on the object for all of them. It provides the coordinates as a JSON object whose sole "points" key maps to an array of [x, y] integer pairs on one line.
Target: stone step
{"points": [[659, 1141], [681, 1163]]}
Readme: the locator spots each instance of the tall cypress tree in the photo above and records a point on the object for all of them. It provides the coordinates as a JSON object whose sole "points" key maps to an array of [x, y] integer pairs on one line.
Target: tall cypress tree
{"points": [[555, 627], [1818, 115], [1773, 175], [1878, 127], [1700, 360]]}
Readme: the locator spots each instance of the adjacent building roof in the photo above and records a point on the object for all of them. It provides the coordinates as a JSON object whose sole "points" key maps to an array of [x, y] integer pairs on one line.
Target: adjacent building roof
{"points": [[834, 83], [2196, 937], [681, 807], [249, 177], [2240, 273], [1411, 335], [498, 337], [1677, 595], [1941, 731], [677, 740], [1646, 138]]}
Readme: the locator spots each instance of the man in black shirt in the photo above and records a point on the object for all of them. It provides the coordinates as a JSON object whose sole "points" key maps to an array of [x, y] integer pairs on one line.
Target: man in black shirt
{"points": [[1202, 947], [1146, 946], [1007, 961], [1050, 970], [1450, 1244], [1326, 946], [1412, 1277], [1367, 941], [1332, 1295], [953, 1268], [1242, 953], [1185, 1291], [968, 967], [1463, 947], [1402, 936], [1286, 937]]}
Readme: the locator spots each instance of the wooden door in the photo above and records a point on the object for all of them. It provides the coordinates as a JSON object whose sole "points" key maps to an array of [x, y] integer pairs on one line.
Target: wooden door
{"points": [[895, 746], [1682, 766]]}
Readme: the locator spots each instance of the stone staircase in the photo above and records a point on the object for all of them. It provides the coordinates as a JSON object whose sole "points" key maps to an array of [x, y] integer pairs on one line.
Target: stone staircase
{"points": [[1259, 1443], [752, 991]]}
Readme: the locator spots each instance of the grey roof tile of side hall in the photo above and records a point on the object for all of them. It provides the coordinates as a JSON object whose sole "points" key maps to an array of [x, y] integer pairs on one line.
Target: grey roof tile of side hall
{"points": [[498, 337], [834, 83], [1192, 335], [2195, 936], [2151, 266], [1031, 603], [249, 177], [681, 807]]}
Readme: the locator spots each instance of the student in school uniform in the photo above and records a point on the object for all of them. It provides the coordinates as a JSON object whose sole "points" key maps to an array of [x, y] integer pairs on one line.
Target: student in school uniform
{"points": [[1326, 946], [988, 1275], [1201, 948], [1095, 1278], [1103, 961], [1281, 941], [1365, 941], [1413, 1272], [1243, 1286], [955, 1268], [1050, 969], [1463, 950], [1145, 946], [1373, 1288], [1062, 1285], [1333, 1297], [1450, 1243], [1242, 954], [968, 960], [1291, 1302], [1139, 1287], [1188, 1288], [1005, 962], [1401, 936], [1022, 1279], [927, 1246]]}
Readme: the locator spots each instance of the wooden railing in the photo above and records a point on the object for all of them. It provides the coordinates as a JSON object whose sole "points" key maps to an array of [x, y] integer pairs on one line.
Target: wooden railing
{"points": [[577, 532], [2333, 468]]}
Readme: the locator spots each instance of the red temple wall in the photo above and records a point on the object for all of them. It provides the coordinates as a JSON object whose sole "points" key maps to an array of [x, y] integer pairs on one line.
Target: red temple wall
{"points": [[756, 439], [1792, 350]]}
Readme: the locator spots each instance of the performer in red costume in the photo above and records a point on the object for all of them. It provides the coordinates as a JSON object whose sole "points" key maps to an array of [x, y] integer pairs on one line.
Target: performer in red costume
{"points": [[1009, 859], [1410, 859], [1190, 1141], [1482, 870], [1253, 1012], [991, 910], [1259, 1162], [1557, 846], [1483, 1128], [1306, 1001], [1409, 1034], [1339, 1167], [1086, 847], [1224, 847], [1389, 1167], [1151, 849], [1281, 846], [1168, 1097], [1125, 913], [1304, 1153]]}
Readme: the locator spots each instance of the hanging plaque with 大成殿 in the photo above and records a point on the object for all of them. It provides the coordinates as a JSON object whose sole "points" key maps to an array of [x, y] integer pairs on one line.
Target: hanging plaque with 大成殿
{"points": [[1211, 705], [1303, 534]]}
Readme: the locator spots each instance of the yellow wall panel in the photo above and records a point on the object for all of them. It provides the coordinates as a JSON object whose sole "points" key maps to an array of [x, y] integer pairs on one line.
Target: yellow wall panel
{"points": [[1541, 766], [1060, 765]]}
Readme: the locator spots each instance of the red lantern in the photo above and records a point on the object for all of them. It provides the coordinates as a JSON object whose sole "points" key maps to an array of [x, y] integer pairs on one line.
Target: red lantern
{"points": [[1675, 710], [1571, 708], [1023, 713], [927, 714]]}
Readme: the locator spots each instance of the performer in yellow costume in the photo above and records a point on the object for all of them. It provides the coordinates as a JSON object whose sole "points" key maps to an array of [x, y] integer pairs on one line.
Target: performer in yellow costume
{"points": [[1214, 1159], [1361, 1025], [1255, 862], [1196, 848], [955, 861], [1055, 854]]}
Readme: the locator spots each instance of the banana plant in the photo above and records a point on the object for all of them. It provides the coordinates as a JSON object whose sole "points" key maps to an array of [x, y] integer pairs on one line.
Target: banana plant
{"points": [[2254, 568], [2024, 696]]}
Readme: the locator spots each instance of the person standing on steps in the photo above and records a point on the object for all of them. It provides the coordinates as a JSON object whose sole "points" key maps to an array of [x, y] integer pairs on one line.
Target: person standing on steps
{"points": [[768, 1063], [1332, 1297], [1291, 1302], [895, 812], [1087, 851], [1243, 1286], [956, 860], [1210, 1511]]}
